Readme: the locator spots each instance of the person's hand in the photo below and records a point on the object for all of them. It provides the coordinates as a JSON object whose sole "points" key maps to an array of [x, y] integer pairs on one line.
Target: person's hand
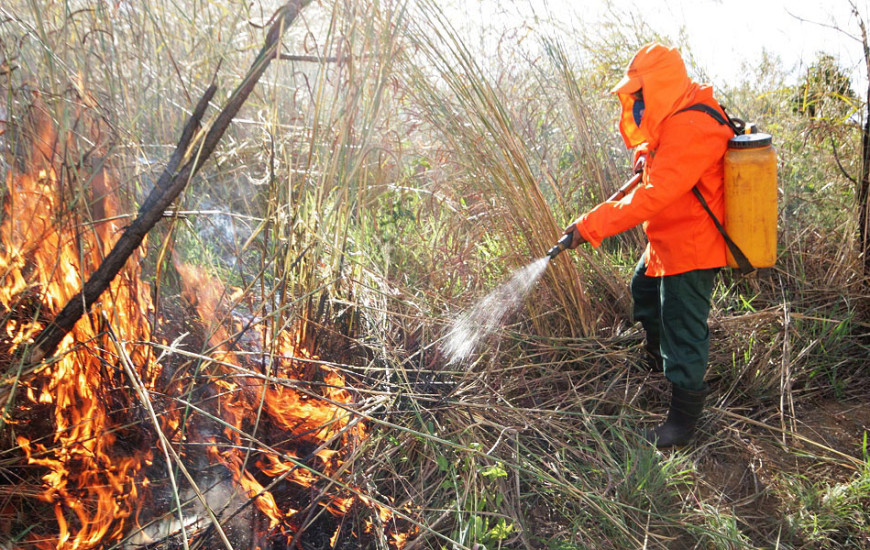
{"points": [[576, 238], [639, 163], [640, 155]]}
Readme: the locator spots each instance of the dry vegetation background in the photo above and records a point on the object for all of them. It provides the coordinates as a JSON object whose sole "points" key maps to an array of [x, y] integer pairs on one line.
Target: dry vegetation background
{"points": [[383, 177]]}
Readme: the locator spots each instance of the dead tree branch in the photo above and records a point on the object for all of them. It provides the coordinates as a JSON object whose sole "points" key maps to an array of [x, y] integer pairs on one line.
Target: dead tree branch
{"points": [[194, 148]]}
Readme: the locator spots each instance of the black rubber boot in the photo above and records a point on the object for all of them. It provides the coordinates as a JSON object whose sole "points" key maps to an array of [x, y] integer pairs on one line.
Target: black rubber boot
{"points": [[686, 407]]}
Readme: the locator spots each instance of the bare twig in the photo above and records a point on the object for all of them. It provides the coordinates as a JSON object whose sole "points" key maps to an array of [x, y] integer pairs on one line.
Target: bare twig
{"points": [[840, 164], [311, 58]]}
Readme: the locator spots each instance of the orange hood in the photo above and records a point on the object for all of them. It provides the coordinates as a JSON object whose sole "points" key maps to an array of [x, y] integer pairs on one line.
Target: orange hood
{"points": [[667, 88]]}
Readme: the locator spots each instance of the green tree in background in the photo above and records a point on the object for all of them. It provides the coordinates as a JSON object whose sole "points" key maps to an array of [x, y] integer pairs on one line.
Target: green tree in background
{"points": [[825, 92]]}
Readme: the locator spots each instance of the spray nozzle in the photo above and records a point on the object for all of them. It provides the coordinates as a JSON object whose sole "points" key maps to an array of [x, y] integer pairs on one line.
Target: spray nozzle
{"points": [[563, 243]]}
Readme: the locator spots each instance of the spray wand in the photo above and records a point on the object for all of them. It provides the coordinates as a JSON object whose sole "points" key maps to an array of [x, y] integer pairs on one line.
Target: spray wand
{"points": [[627, 187], [563, 243]]}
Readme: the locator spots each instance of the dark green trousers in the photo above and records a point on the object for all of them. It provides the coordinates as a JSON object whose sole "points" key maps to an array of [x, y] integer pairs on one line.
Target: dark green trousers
{"points": [[673, 311]]}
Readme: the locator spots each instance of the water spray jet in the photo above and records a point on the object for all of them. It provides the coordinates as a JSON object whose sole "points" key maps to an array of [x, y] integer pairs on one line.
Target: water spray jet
{"points": [[490, 313]]}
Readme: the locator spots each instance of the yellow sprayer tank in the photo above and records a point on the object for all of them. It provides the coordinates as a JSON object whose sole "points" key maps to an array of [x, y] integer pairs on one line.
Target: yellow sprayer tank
{"points": [[751, 198]]}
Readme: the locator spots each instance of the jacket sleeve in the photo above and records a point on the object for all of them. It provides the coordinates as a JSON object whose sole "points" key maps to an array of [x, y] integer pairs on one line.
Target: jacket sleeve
{"points": [[689, 146]]}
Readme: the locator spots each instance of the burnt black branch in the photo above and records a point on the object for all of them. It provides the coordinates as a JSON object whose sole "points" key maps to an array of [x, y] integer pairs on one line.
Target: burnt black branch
{"points": [[191, 153]]}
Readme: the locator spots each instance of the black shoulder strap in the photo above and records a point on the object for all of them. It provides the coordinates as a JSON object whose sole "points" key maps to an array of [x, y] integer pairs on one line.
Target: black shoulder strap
{"points": [[743, 263], [735, 124]]}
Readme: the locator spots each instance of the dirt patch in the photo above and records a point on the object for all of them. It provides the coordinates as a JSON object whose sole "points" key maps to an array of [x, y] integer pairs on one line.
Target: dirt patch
{"points": [[840, 425], [743, 471]]}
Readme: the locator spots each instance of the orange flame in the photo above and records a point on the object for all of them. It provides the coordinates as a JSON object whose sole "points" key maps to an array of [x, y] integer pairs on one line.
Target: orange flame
{"points": [[93, 486], [320, 416]]}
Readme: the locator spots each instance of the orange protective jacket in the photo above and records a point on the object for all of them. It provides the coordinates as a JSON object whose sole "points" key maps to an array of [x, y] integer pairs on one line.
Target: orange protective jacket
{"points": [[684, 150]]}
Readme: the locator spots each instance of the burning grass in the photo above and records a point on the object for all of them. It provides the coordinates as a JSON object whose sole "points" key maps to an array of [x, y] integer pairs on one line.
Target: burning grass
{"points": [[128, 451]]}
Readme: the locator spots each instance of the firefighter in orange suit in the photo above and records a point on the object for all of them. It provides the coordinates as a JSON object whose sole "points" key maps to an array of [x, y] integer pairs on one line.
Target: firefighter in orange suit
{"points": [[673, 282]]}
